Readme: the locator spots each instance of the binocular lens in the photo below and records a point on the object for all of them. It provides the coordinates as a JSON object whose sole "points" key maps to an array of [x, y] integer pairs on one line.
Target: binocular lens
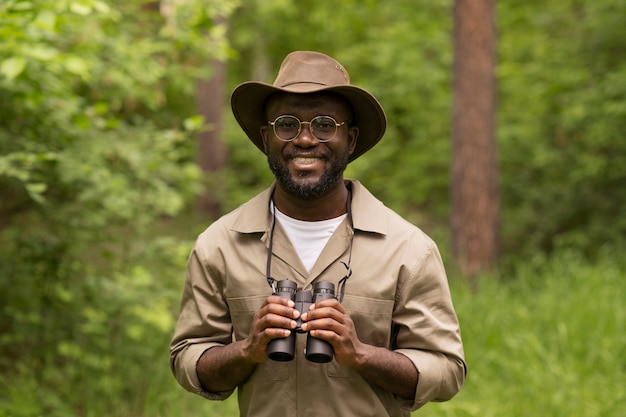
{"points": [[317, 350]]}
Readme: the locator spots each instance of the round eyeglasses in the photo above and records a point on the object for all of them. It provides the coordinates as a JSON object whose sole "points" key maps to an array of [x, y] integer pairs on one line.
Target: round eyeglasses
{"points": [[288, 127]]}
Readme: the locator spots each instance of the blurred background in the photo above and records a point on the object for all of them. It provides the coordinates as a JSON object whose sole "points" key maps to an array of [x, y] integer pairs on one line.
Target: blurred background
{"points": [[117, 147]]}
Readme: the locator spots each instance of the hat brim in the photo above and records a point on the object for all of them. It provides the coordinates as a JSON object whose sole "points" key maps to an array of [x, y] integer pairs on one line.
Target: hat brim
{"points": [[248, 99]]}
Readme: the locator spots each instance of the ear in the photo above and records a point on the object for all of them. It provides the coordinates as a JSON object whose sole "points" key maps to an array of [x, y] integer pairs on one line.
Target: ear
{"points": [[264, 136], [353, 134]]}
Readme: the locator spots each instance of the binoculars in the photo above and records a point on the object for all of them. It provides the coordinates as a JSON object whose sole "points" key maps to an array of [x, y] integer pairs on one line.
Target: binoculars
{"points": [[317, 350]]}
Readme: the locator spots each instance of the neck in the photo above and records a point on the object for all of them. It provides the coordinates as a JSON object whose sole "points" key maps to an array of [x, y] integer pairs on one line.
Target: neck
{"points": [[328, 206]]}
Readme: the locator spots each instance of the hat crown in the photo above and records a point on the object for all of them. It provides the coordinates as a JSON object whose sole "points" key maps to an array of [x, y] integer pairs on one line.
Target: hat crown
{"points": [[308, 72], [307, 69]]}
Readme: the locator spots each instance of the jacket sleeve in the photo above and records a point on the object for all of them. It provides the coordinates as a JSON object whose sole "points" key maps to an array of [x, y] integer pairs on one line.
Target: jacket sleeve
{"points": [[203, 323], [427, 330]]}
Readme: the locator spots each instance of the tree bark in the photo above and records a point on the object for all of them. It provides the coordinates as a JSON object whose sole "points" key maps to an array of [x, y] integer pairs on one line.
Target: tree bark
{"points": [[475, 214], [211, 149]]}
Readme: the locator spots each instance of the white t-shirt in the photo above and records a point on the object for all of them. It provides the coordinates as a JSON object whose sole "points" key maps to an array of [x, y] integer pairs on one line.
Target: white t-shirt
{"points": [[308, 238]]}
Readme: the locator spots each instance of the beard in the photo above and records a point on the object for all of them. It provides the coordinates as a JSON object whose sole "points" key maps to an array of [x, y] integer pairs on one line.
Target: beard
{"points": [[308, 190]]}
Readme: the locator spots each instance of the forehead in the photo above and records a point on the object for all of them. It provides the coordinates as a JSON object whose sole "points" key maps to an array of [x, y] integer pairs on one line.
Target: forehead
{"points": [[318, 103]]}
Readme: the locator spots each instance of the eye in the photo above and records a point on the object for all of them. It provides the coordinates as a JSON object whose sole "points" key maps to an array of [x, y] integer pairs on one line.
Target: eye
{"points": [[287, 123], [325, 124]]}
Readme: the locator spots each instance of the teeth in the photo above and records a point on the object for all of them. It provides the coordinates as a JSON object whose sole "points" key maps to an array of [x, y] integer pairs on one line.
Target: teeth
{"points": [[304, 160]]}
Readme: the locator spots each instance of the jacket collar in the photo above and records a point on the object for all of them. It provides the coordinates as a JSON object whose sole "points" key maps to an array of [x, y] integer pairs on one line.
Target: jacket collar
{"points": [[368, 213]]}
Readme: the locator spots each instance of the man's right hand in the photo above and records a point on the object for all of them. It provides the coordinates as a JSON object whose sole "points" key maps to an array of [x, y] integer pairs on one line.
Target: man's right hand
{"points": [[224, 368], [275, 319]]}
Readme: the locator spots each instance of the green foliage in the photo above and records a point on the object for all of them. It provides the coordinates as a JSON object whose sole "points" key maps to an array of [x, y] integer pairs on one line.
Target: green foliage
{"points": [[412, 83], [563, 88], [548, 341], [97, 103], [403, 58], [561, 67], [96, 122]]}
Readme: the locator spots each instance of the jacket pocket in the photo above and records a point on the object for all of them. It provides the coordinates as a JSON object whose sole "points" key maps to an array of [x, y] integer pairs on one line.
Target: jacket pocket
{"points": [[372, 319], [242, 310]]}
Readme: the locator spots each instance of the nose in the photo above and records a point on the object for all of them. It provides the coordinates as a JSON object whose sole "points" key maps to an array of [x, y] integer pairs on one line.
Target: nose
{"points": [[305, 138]]}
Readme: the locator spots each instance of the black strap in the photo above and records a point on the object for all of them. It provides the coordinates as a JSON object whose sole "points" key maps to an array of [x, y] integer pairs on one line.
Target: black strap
{"points": [[268, 265], [342, 282]]}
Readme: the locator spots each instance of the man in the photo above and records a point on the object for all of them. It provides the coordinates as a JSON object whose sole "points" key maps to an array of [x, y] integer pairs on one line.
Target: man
{"points": [[392, 327]]}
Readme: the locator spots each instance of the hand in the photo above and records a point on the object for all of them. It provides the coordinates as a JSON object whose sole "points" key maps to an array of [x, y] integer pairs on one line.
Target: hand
{"points": [[275, 319], [328, 320], [394, 372]]}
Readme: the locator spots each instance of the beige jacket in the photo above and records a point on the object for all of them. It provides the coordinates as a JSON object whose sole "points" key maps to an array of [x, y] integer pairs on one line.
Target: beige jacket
{"points": [[397, 296]]}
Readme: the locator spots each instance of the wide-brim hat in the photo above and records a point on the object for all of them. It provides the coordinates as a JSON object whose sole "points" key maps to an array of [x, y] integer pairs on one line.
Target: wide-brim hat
{"points": [[310, 72]]}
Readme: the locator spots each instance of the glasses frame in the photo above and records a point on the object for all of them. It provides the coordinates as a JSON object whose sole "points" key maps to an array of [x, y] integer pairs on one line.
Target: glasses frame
{"points": [[300, 123]]}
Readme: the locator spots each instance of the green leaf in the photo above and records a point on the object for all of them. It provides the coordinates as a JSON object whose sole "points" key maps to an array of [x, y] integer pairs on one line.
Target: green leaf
{"points": [[11, 68], [36, 190], [80, 8], [194, 123], [46, 19], [77, 66], [101, 6], [42, 52]]}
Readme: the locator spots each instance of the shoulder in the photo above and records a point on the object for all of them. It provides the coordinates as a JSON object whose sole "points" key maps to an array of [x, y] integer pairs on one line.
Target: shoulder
{"points": [[252, 217], [372, 215]]}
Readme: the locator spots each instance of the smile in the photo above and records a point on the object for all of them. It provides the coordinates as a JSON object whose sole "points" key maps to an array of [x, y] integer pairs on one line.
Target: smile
{"points": [[301, 160]]}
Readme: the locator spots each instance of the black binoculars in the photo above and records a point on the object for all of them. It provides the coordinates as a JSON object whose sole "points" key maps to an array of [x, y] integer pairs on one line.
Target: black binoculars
{"points": [[317, 350]]}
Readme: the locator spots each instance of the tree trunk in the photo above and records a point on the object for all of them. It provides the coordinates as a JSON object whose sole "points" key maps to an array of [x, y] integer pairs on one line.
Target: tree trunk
{"points": [[211, 149], [475, 195]]}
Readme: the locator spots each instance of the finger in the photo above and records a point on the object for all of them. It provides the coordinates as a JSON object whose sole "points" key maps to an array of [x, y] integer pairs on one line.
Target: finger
{"points": [[323, 312], [327, 335], [274, 333], [330, 302], [277, 299], [281, 309], [330, 324], [324, 324], [276, 321]]}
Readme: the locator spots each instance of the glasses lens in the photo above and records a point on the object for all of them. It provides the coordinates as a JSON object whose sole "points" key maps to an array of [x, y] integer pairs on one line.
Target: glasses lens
{"points": [[323, 127], [286, 127]]}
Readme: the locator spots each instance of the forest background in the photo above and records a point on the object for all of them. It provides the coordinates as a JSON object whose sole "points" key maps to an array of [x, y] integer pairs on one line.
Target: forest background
{"points": [[99, 183]]}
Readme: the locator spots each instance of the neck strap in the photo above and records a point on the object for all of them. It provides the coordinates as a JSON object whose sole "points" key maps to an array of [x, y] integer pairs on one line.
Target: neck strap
{"points": [[342, 282]]}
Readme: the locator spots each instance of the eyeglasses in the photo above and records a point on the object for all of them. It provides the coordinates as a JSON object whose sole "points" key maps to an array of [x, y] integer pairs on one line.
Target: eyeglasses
{"points": [[323, 128]]}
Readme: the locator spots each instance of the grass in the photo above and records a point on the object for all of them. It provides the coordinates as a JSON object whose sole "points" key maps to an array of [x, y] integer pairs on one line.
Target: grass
{"points": [[547, 341]]}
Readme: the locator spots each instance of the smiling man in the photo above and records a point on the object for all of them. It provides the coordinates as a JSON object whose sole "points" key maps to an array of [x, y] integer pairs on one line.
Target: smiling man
{"points": [[306, 170], [313, 298]]}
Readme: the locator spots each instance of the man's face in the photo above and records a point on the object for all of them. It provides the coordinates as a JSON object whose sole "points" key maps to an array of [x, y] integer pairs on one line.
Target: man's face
{"points": [[305, 167]]}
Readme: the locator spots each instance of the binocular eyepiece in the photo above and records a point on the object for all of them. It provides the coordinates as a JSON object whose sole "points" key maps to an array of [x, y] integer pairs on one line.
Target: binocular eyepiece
{"points": [[317, 350]]}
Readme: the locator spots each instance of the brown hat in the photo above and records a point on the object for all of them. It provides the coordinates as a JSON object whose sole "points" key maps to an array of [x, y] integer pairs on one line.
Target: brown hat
{"points": [[310, 72]]}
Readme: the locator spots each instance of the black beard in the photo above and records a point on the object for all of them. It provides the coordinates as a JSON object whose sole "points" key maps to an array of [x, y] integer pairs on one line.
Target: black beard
{"points": [[307, 191]]}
